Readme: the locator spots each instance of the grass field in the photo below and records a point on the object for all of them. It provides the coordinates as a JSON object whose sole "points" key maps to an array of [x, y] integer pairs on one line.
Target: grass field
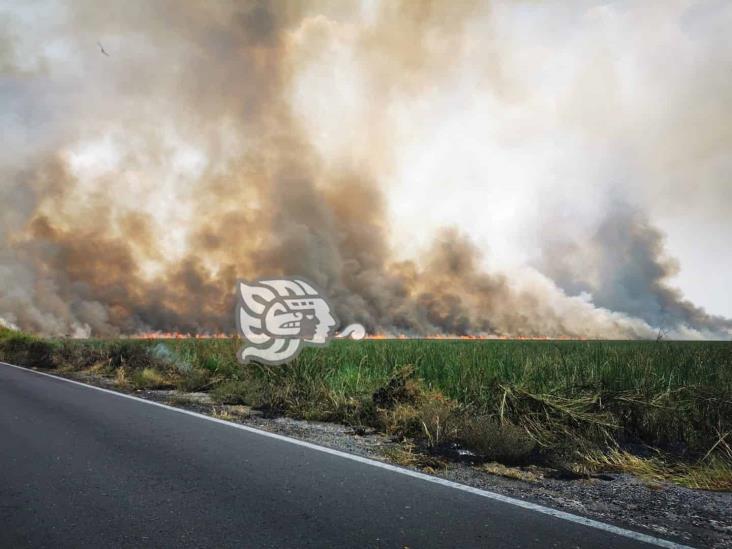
{"points": [[659, 409]]}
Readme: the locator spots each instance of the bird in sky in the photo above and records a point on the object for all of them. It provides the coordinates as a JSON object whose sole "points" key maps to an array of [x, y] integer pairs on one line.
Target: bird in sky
{"points": [[101, 48]]}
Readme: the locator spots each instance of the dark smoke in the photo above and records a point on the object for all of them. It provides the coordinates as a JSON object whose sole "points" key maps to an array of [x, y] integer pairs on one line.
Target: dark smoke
{"points": [[624, 266]]}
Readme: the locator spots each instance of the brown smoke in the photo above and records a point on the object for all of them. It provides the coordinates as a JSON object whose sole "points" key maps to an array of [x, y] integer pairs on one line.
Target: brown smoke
{"points": [[147, 245]]}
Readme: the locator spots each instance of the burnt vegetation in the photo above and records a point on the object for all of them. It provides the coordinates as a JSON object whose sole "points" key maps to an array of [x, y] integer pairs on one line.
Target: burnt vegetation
{"points": [[662, 410]]}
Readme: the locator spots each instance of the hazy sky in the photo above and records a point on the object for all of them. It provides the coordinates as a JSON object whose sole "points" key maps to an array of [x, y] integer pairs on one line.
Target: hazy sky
{"points": [[532, 127]]}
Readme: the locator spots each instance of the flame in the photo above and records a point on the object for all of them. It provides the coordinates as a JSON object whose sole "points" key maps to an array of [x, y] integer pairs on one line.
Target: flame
{"points": [[474, 337], [181, 335]]}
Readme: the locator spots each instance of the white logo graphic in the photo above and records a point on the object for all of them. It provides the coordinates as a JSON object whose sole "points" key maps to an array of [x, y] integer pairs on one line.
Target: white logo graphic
{"points": [[279, 317]]}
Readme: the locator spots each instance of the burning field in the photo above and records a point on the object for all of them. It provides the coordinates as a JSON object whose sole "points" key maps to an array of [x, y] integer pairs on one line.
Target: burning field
{"points": [[526, 205]]}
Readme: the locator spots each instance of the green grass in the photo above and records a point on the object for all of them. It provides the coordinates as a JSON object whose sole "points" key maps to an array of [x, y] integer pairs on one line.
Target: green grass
{"points": [[513, 401], [667, 394]]}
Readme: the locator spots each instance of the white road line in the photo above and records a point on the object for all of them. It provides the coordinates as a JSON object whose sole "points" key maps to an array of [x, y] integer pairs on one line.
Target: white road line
{"points": [[660, 542]]}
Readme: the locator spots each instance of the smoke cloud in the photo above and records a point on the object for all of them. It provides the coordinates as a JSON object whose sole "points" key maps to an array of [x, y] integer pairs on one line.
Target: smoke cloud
{"points": [[254, 139], [625, 268]]}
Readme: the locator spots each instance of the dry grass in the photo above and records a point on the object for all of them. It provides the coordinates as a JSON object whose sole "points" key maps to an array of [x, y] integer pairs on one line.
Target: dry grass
{"points": [[715, 475], [572, 403], [708, 474], [231, 413], [120, 378], [149, 378], [527, 475], [406, 455], [223, 413]]}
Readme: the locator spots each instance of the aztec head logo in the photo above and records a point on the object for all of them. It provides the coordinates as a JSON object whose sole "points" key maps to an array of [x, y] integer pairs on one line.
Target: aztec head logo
{"points": [[279, 317]]}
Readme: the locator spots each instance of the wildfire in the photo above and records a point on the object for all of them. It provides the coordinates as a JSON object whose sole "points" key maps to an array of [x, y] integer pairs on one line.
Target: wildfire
{"points": [[472, 337], [181, 335]]}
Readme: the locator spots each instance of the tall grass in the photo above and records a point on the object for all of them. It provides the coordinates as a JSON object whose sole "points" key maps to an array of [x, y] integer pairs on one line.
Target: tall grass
{"points": [[661, 393], [563, 398]]}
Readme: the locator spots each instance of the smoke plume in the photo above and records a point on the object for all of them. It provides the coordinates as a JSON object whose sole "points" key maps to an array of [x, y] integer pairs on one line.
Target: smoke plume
{"points": [[215, 143]]}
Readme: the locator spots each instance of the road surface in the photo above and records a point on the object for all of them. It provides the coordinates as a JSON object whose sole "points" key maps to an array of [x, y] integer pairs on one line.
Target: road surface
{"points": [[81, 467]]}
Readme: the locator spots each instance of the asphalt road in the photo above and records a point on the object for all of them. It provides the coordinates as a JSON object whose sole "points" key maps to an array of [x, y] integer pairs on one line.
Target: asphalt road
{"points": [[84, 468]]}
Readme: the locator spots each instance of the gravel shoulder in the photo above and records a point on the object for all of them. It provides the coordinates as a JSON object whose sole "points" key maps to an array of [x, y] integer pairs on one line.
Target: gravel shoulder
{"points": [[697, 518]]}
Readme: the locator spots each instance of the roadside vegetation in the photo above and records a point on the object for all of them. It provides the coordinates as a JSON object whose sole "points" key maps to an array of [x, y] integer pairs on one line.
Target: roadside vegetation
{"points": [[660, 410]]}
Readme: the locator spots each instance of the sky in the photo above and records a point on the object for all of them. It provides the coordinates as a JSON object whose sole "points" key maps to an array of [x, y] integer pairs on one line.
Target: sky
{"points": [[577, 152]]}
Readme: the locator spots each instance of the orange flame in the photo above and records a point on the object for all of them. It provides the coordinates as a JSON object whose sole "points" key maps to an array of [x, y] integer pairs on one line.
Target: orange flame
{"points": [[474, 337], [181, 335]]}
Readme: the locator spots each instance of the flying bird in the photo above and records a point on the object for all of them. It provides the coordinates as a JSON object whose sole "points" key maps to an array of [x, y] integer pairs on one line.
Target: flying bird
{"points": [[101, 48]]}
